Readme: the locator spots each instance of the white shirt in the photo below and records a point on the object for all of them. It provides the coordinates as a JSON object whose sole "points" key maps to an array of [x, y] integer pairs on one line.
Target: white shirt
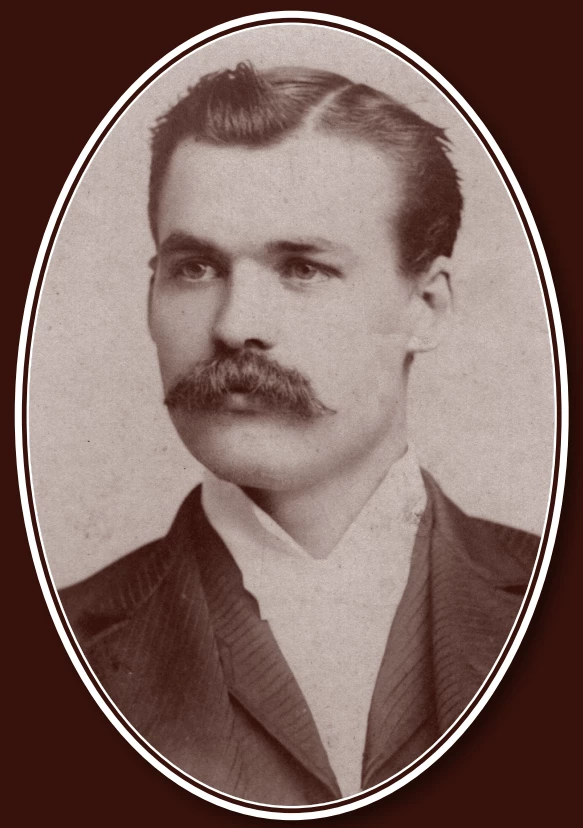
{"points": [[330, 617]]}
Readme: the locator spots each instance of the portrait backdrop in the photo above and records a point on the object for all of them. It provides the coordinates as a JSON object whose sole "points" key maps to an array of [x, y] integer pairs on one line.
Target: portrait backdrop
{"points": [[109, 471]]}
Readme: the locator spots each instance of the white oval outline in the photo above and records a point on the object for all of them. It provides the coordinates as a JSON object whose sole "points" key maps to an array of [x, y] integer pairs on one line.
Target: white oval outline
{"points": [[456, 730]]}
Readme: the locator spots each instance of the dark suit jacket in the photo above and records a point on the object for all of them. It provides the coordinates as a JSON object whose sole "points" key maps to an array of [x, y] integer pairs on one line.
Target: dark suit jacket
{"points": [[179, 646]]}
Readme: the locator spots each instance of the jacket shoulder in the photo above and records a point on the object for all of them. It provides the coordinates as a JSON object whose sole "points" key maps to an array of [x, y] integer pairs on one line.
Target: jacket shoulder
{"points": [[499, 552], [111, 596], [105, 599]]}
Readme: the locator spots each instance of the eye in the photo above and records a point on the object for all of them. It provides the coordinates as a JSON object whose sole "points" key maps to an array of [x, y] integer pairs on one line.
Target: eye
{"points": [[194, 270], [302, 270]]}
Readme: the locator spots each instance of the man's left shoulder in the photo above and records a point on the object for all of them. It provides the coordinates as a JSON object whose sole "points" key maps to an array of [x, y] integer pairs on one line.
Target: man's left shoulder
{"points": [[502, 553], [519, 544]]}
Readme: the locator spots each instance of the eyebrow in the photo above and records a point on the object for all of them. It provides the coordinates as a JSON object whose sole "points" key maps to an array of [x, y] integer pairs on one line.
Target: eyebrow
{"points": [[180, 242], [310, 245], [185, 242]]}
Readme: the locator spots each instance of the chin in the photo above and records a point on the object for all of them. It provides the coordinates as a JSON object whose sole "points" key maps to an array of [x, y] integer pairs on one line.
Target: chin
{"points": [[254, 469], [252, 476]]}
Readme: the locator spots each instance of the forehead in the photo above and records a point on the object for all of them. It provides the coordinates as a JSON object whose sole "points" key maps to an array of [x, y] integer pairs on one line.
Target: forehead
{"points": [[309, 184]]}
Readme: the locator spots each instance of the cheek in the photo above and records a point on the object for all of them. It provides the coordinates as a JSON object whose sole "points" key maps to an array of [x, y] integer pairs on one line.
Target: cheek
{"points": [[371, 366], [181, 333], [354, 356]]}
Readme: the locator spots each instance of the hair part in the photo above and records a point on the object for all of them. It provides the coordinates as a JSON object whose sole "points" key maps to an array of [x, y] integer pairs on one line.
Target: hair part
{"points": [[244, 107]]}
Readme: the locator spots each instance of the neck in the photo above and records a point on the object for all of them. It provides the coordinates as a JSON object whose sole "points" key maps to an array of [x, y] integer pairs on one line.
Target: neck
{"points": [[317, 516]]}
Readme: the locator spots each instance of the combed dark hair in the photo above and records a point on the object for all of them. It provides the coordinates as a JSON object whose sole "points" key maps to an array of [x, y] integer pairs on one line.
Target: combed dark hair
{"points": [[254, 109]]}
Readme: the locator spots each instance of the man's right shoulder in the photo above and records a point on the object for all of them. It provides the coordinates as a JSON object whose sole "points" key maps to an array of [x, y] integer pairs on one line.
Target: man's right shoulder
{"points": [[107, 598]]}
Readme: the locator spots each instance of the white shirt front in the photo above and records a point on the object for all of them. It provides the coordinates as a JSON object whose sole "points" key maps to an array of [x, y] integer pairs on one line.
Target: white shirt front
{"points": [[330, 617]]}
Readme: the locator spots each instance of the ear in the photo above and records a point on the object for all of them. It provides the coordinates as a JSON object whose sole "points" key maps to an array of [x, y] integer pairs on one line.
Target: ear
{"points": [[153, 263], [432, 306]]}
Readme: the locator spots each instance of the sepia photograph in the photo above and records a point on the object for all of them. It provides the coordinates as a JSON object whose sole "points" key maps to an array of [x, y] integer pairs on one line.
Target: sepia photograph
{"points": [[293, 425]]}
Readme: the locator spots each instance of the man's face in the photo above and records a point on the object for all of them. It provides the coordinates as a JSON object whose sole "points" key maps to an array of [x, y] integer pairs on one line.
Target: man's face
{"points": [[286, 251]]}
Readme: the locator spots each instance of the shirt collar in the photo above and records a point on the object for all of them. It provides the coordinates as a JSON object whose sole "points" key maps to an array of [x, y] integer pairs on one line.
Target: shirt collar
{"points": [[399, 499]]}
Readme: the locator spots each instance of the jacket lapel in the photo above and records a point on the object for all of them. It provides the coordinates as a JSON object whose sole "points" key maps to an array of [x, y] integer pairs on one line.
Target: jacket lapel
{"points": [[256, 672], [461, 599], [402, 716]]}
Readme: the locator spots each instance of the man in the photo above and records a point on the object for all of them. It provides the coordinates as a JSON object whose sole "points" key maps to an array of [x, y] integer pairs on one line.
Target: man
{"points": [[319, 613]]}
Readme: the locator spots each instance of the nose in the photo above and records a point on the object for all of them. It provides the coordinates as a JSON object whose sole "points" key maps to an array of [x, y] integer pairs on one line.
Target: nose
{"points": [[246, 316]]}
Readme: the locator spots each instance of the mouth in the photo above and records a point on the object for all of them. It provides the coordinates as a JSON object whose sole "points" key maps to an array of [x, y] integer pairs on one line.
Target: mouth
{"points": [[242, 402]]}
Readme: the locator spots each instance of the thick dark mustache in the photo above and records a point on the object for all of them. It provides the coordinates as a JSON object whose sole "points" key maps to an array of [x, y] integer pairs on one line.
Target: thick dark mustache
{"points": [[284, 390]]}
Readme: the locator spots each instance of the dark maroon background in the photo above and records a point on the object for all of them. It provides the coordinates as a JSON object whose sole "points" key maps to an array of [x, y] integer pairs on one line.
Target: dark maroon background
{"points": [[517, 762]]}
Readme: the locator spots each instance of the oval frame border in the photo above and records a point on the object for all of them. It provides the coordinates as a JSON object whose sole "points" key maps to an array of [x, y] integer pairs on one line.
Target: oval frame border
{"points": [[561, 423]]}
